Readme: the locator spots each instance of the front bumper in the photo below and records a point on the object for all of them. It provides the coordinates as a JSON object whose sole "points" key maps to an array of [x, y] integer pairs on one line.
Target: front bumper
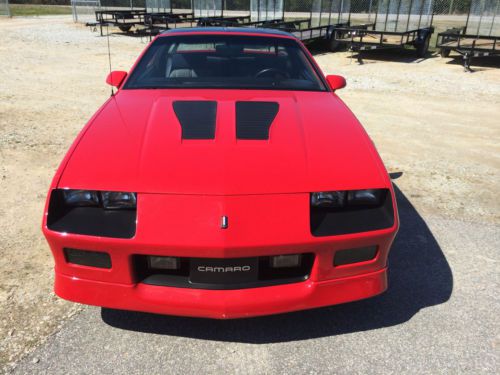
{"points": [[221, 304], [189, 226]]}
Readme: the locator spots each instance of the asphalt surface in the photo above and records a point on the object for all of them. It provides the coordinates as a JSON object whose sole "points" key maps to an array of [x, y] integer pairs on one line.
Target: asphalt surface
{"points": [[440, 315]]}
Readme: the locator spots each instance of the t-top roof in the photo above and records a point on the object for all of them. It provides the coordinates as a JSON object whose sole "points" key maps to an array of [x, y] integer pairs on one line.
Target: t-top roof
{"points": [[229, 30]]}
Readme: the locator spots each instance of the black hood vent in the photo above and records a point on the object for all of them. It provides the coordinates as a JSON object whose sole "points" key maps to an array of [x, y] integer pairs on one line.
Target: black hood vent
{"points": [[197, 118], [253, 119]]}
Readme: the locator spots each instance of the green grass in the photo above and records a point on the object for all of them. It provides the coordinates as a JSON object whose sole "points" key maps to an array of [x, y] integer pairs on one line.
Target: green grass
{"points": [[38, 10]]}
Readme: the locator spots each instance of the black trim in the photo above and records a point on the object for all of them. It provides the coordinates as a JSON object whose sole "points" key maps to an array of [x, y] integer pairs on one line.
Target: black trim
{"points": [[253, 119], [90, 221], [197, 118], [181, 278], [182, 282], [87, 258], [326, 221], [233, 30], [166, 87], [349, 256]]}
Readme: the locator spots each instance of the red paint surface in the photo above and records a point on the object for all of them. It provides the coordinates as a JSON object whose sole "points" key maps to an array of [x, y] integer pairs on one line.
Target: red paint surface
{"points": [[133, 143]]}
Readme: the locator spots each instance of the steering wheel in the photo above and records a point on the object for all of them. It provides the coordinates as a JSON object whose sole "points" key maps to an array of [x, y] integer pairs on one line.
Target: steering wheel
{"points": [[273, 71]]}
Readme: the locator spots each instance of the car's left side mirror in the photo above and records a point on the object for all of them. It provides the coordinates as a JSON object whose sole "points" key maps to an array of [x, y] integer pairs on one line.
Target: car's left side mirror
{"points": [[336, 82], [116, 78]]}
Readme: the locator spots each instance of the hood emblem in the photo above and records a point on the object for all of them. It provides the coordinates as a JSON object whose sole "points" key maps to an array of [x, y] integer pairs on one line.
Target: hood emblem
{"points": [[224, 223]]}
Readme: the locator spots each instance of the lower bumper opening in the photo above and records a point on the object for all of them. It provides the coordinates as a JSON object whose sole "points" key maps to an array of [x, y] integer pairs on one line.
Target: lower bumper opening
{"points": [[226, 273], [221, 304], [352, 256], [87, 258]]}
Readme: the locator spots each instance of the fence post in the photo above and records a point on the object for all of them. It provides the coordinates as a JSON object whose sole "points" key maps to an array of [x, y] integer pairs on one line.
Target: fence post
{"points": [[73, 10]]}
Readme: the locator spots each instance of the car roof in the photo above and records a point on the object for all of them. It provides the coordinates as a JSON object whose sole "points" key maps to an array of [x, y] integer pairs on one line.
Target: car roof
{"points": [[228, 30]]}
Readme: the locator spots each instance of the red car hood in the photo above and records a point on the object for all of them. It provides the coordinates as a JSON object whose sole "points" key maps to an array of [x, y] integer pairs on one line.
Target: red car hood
{"points": [[134, 144]]}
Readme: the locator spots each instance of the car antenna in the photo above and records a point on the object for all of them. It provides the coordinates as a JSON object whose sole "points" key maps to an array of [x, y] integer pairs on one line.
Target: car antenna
{"points": [[109, 56]]}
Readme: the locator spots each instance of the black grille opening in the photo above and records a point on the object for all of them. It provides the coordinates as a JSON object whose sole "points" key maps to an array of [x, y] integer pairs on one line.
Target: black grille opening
{"points": [[188, 277], [142, 269], [87, 258], [197, 118], [266, 272], [326, 221], [253, 119]]}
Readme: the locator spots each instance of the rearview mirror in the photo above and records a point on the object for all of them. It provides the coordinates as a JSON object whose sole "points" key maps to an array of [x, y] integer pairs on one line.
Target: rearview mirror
{"points": [[336, 82], [116, 78]]}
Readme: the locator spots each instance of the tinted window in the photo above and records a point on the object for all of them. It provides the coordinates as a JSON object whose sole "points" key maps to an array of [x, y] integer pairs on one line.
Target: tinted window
{"points": [[225, 61]]}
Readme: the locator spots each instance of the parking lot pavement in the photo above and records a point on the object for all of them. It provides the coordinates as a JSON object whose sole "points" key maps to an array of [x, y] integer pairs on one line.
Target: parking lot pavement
{"points": [[440, 315]]}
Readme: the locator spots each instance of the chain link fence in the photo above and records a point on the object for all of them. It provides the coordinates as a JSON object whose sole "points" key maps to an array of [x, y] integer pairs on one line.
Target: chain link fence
{"points": [[159, 6], [445, 14], [400, 14], [84, 10], [266, 10], [125, 4], [4, 8], [441, 7], [208, 8], [484, 18], [182, 5]]}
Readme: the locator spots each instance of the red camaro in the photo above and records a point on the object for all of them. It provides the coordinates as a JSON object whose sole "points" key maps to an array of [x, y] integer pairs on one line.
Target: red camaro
{"points": [[223, 179]]}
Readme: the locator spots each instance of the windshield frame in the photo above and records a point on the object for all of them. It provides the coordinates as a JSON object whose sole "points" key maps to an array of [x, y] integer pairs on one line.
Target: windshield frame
{"points": [[308, 59]]}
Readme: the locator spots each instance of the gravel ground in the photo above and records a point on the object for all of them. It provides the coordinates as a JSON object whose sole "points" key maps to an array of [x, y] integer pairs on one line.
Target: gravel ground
{"points": [[430, 121]]}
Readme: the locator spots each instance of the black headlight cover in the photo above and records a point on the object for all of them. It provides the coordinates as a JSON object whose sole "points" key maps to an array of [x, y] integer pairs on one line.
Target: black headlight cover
{"points": [[368, 197], [118, 200], [353, 217], [343, 198], [82, 198], [90, 220]]}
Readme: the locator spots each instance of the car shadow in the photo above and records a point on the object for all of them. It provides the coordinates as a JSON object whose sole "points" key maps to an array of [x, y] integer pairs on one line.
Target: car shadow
{"points": [[419, 277]]}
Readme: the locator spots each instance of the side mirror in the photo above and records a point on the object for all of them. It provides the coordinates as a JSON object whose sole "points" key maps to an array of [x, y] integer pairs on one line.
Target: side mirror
{"points": [[336, 82], [116, 78]]}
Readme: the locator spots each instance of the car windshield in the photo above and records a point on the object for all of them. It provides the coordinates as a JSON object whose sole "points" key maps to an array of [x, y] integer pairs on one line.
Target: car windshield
{"points": [[226, 62]]}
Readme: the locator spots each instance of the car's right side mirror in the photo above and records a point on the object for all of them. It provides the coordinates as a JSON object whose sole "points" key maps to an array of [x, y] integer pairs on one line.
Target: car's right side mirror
{"points": [[336, 82]]}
